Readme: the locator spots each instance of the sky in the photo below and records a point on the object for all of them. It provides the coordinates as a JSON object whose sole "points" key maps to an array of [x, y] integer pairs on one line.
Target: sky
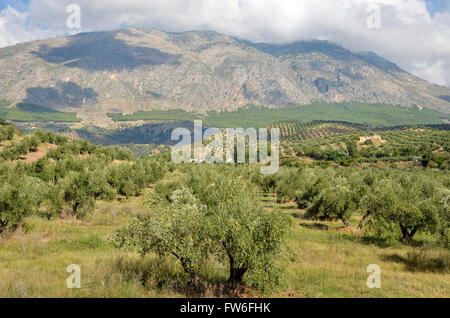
{"points": [[414, 34]]}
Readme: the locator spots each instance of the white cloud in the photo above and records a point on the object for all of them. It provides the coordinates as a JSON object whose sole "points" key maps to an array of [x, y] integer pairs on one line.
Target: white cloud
{"points": [[408, 34], [15, 28]]}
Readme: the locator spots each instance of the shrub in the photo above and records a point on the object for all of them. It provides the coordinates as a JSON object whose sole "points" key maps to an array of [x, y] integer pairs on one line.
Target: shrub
{"points": [[19, 196]]}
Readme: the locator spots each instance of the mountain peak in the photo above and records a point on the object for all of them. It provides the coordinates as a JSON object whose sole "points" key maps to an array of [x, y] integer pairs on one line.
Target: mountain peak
{"points": [[143, 69]]}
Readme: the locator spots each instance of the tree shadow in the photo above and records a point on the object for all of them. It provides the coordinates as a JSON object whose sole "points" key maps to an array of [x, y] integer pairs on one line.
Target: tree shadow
{"points": [[315, 226], [287, 207], [421, 262], [378, 241], [63, 94], [103, 51]]}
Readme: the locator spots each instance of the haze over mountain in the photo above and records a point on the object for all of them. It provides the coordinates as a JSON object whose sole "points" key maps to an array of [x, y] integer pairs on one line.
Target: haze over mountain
{"points": [[143, 69]]}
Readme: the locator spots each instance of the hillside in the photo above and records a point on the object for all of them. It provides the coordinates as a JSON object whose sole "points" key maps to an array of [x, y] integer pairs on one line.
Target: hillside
{"points": [[65, 201], [131, 70]]}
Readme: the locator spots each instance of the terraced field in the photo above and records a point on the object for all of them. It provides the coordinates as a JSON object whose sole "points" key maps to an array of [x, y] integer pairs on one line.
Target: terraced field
{"points": [[294, 130]]}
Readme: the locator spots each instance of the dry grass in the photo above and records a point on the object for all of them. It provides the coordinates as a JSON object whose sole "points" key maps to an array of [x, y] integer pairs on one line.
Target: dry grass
{"points": [[41, 152], [324, 261]]}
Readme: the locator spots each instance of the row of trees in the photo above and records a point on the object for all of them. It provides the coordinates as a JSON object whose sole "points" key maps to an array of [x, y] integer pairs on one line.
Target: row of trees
{"points": [[430, 147], [393, 200], [64, 181]]}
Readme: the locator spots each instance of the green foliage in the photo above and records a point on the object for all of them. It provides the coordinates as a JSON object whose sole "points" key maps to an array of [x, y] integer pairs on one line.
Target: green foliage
{"points": [[7, 132], [252, 116], [131, 179], [428, 146], [335, 201], [30, 112], [178, 229], [19, 196], [250, 237], [77, 190], [155, 115], [443, 202], [394, 201], [75, 174], [407, 201], [212, 221]]}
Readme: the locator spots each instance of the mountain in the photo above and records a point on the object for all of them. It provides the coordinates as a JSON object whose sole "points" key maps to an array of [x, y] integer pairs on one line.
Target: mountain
{"points": [[128, 70]]}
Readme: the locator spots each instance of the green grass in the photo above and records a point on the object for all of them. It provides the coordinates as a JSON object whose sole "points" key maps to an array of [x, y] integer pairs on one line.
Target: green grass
{"points": [[31, 112], [155, 115], [322, 263], [381, 115]]}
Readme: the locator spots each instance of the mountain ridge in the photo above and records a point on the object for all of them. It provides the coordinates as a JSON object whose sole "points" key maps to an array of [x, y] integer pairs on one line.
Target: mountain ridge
{"points": [[141, 69]]}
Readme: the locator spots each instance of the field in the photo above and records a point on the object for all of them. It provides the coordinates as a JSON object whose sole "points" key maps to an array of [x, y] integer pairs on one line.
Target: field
{"points": [[381, 115], [65, 201], [28, 112], [325, 263], [348, 143]]}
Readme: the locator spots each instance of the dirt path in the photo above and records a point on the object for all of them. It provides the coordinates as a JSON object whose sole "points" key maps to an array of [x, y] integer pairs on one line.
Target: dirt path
{"points": [[40, 153]]}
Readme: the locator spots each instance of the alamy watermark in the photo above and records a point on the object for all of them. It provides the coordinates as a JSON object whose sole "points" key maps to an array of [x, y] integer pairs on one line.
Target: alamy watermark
{"points": [[73, 21], [74, 279], [374, 279], [231, 149]]}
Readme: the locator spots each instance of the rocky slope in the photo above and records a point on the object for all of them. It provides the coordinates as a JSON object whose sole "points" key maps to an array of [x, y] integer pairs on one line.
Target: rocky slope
{"points": [[144, 69]]}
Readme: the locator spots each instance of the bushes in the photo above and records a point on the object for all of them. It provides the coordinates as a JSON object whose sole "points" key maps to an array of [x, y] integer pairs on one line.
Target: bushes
{"points": [[7, 132], [130, 179], [19, 196], [250, 238], [14, 150], [398, 144], [70, 180]]}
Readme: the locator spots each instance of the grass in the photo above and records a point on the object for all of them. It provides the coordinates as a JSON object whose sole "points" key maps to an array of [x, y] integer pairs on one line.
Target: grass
{"points": [[30, 112], [373, 114], [325, 261]]}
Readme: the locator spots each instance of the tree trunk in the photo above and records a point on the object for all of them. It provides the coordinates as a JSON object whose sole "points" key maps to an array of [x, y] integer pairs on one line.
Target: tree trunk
{"points": [[236, 273], [193, 281], [363, 220], [345, 222], [75, 208], [236, 276], [407, 236]]}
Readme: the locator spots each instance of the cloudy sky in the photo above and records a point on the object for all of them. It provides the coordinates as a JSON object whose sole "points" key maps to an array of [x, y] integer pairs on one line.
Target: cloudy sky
{"points": [[415, 34]]}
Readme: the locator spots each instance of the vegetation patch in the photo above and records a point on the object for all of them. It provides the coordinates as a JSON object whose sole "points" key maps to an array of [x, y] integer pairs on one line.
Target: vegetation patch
{"points": [[30, 112], [253, 116], [146, 227]]}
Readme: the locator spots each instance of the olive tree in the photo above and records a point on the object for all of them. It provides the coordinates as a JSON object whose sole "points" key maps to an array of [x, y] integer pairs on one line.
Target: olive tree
{"points": [[334, 201], [178, 228], [249, 238], [77, 190], [19, 196], [407, 202], [220, 216]]}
